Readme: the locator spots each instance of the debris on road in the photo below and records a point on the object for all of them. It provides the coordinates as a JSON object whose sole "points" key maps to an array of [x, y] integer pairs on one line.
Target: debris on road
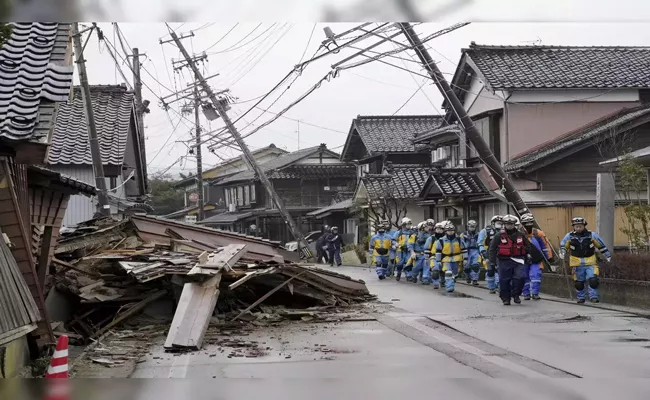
{"points": [[108, 271]]}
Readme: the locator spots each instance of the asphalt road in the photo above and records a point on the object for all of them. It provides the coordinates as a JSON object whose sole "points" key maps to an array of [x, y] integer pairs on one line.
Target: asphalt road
{"points": [[421, 342]]}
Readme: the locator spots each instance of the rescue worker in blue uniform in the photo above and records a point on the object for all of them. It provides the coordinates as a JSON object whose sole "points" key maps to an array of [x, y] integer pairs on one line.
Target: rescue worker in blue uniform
{"points": [[400, 243], [510, 250], [416, 248], [581, 245], [392, 253], [430, 251], [538, 239], [473, 265], [484, 239], [334, 246], [450, 255], [379, 248]]}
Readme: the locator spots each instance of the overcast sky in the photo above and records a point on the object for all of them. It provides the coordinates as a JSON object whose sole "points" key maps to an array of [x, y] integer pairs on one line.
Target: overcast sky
{"points": [[254, 57]]}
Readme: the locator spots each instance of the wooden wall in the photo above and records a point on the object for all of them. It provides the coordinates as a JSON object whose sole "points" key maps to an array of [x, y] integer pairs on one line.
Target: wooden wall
{"points": [[556, 222]]}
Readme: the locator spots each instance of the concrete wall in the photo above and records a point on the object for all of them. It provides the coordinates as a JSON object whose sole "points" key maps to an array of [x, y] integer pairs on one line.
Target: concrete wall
{"points": [[613, 291], [16, 357]]}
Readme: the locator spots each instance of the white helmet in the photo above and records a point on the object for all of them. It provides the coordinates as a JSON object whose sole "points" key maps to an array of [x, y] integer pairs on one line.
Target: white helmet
{"points": [[431, 222], [527, 218], [422, 225], [449, 226], [471, 224], [440, 225], [406, 221], [510, 219]]}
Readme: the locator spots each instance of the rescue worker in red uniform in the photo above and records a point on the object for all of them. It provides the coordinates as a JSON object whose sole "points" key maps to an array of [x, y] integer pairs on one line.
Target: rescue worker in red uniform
{"points": [[511, 252]]}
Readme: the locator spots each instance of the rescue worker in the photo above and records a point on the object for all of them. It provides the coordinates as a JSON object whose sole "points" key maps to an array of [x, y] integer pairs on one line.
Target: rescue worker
{"points": [[581, 245], [392, 253], [473, 265], [379, 248], [510, 250], [334, 246], [400, 243], [416, 248], [538, 239], [430, 252], [484, 239], [321, 246], [451, 253]]}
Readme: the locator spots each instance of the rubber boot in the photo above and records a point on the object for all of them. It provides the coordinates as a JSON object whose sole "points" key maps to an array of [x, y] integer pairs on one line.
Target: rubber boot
{"points": [[517, 300], [536, 297], [475, 283], [581, 301], [382, 277], [398, 276], [506, 302], [596, 300], [527, 297]]}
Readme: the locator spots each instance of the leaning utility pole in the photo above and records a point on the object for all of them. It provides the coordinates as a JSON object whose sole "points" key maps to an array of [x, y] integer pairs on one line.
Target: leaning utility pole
{"points": [[98, 166], [304, 247], [471, 132], [199, 158], [140, 108]]}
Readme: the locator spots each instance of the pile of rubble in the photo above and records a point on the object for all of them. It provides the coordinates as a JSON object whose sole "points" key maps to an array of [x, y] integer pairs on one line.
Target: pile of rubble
{"points": [[113, 270]]}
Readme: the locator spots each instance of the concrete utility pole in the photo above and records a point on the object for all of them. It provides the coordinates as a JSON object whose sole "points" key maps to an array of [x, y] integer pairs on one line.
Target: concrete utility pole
{"points": [[199, 158], [471, 132], [98, 166], [140, 108], [304, 247]]}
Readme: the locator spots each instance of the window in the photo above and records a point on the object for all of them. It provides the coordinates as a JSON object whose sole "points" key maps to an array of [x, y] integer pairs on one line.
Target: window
{"points": [[253, 194], [247, 191], [228, 197], [240, 195]]}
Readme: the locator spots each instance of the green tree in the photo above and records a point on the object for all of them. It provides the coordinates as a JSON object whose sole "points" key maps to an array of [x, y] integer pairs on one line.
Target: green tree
{"points": [[165, 197], [5, 32]]}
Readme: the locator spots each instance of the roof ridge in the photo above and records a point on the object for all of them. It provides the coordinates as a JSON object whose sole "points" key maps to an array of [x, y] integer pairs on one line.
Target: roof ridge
{"points": [[475, 46], [359, 116], [567, 135], [106, 88]]}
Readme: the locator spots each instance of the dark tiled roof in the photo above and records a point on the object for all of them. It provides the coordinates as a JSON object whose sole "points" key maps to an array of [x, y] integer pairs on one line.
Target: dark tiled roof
{"points": [[399, 182], [445, 130], [576, 137], [523, 67], [277, 163], [227, 217], [124, 205], [112, 107], [457, 182], [393, 133], [315, 171], [66, 180], [33, 76]]}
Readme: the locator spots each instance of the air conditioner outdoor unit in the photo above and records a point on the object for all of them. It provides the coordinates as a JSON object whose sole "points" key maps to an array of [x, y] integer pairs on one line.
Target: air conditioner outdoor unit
{"points": [[232, 208], [326, 188]]}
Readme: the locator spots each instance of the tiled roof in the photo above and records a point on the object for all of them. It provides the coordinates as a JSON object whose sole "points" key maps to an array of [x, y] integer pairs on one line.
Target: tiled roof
{"points": [[66, 180], [402, 181], [315, 171], [445, 130], [33, 76], [113, 107], [277, 163], [457, 182], [322, 212], [124, 205], [575, 137], [393, 133], [227, 217], [528, 67]]}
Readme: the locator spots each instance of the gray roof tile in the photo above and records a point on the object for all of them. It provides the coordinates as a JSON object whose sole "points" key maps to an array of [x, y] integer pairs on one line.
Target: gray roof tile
{"points": [[33, 76], [276, 163], [393, 133], [113, 109], [400, 181], [66, 180], [457, 182], [575, 137], [315, 171], [530, 67]]}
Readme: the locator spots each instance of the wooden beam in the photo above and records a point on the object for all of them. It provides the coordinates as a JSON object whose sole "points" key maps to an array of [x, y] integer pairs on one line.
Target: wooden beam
{"points": [[44, 256], [131, 311], [214, 263]]}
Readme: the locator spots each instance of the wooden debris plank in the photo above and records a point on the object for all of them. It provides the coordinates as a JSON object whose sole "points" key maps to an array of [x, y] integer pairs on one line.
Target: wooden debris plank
{"points": [[192, 316], [67, 266], [131, 311], [211, 264], [249, 276]]}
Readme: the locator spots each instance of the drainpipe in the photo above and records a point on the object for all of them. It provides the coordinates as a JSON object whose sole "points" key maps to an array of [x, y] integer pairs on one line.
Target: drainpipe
{"points": [[506, 124]]}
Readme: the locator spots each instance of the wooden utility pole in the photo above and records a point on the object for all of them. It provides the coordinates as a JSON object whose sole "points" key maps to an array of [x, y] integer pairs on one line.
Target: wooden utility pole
{"points": [[303, 245], [98, 166], [140, 108], [471, 132], [199, 158]]}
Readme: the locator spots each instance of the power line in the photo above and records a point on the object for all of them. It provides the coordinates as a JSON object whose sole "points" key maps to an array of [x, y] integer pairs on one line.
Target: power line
{"points": [[235, 47], [308, 42], [410, 97], [222, 38], [166, 141]]}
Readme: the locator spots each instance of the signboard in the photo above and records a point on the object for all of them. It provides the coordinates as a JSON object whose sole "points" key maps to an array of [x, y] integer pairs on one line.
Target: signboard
{"points": [[194, 197]]}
